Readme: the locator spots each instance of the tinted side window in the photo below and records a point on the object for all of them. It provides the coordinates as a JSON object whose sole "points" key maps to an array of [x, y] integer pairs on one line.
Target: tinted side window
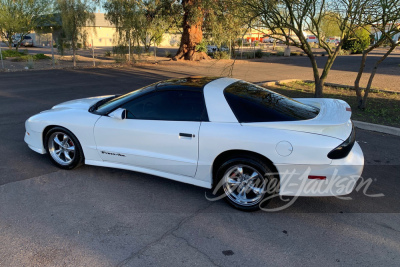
{"points": [[167, 105], [251, 103]]}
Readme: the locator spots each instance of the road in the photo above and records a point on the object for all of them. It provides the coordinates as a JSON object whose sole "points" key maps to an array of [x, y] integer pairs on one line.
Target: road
{"points": [[95, 216]]}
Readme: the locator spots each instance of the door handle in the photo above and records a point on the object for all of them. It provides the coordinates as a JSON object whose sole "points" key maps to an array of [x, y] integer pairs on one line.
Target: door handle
{"points": [[186, 135]]}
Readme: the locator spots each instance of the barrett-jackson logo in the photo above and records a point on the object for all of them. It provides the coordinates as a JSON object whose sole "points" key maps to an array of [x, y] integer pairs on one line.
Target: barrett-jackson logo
{"points": [[113, 154]]}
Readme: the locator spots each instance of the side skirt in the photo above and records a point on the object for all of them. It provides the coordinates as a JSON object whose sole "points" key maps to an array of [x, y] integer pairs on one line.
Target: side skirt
{"points": [[179, 178]]}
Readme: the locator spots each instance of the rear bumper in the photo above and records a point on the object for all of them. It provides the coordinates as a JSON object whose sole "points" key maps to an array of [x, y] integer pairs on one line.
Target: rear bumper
{"points": [[341, 176]]}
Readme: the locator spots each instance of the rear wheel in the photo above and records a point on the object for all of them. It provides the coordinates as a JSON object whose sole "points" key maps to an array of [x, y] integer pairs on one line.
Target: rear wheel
{"points": [[244, 182], [63, 148]]}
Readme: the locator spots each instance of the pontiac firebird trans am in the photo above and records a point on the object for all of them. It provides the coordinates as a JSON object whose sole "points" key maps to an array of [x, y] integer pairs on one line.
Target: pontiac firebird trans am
{"points": [[221, 133]]}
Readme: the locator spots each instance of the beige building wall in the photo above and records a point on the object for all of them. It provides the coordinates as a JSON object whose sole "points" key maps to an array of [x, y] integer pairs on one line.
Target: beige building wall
{"points": [[106, 36], [101, 36]]}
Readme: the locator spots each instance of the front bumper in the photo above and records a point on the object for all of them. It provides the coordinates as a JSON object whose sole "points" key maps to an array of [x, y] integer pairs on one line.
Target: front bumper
{"points": [[34, 141], [341, 176]]}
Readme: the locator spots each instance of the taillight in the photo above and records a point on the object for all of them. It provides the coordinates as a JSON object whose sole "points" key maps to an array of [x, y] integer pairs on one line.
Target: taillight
{"points": [[344, 148]]}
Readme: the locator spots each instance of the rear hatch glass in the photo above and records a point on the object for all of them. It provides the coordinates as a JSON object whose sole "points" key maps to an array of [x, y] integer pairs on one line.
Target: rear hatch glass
{"points": [[252, 103]]}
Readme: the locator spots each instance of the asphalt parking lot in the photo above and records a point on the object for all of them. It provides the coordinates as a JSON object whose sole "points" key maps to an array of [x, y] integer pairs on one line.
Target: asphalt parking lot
{"points": [[95, 216]]}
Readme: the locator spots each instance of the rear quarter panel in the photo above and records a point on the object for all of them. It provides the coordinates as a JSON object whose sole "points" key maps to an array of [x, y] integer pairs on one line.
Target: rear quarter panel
{"points": [[215, 138]]}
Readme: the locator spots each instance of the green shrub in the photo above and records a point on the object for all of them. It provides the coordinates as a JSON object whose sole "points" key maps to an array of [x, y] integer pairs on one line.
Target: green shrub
{"points": [[107, 53], [11, 53], [344, 52], [258, 53], [40, 56], [120, 50], [221, 55], [280, 54], [295, 53], [202, 47], [248, 55], [358, 42]]}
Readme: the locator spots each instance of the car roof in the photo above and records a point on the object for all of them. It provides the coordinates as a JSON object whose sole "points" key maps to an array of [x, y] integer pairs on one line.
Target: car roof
{"points": [[195, 83]]}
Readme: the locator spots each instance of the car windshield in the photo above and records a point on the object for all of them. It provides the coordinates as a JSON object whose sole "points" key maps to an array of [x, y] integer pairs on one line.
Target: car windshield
{"points": [[27, 38], [252, 103], [108, 106]]}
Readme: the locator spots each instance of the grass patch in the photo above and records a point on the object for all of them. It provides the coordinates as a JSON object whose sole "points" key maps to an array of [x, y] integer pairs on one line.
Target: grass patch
{"points": [[12, 53], [31, 57], [382, 108]]}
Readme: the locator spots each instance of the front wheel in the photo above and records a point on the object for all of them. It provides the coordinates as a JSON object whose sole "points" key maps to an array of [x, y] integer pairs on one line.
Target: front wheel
{"points": [[246, 182], [63, 148]]}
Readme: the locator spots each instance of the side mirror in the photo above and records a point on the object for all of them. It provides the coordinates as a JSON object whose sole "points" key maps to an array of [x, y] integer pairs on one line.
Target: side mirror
{"points": [[119, 114]]}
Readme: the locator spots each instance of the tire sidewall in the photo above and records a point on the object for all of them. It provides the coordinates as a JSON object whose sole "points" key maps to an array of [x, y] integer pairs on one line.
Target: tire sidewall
{"points": [[262, 168], [78, 159]]}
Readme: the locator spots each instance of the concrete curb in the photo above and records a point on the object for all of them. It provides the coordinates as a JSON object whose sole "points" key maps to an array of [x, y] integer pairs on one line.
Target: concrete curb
{"points": [[272, 83], [377, 128], [350, 87]]}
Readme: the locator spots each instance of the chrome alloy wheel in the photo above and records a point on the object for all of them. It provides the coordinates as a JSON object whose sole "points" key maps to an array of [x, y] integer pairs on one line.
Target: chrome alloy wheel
{"points": [[244, 185], [61, 148]]}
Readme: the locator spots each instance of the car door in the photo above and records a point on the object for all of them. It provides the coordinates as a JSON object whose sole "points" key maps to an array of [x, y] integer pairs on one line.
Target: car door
{"points": [[160, 132]]}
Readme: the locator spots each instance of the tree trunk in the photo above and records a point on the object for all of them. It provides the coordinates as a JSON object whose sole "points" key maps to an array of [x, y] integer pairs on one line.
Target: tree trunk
{"points": [[192, 33], [74, 52], [319, 87], [319, 83], [10, 43], [371, 77], [358, 78], [360, 72]]}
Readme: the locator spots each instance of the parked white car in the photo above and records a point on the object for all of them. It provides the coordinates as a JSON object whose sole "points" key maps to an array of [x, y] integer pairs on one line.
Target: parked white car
{"points": [[312, 39], [219, 133], [27, 41], [212, 48]]}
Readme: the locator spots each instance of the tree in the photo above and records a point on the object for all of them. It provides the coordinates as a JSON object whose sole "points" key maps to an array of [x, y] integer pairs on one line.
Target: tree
{"points": [[289, 18], [383, 16], [192, 34], [358, 41], [330, 25], [141, 22], [21, 17], [75, 14], [223, 23]]}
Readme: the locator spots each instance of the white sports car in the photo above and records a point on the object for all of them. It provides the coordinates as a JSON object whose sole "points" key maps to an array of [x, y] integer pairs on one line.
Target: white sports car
{"points": [[243, 140]]}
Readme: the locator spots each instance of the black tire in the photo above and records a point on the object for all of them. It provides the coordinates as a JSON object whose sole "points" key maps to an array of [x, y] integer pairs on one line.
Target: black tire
{"points": [[75, 156], [251, 163]]}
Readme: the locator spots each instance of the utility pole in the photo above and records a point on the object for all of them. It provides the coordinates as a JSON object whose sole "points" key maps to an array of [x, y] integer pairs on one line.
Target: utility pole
{"points": [[129, 52], [94, 62], [52, 47]]}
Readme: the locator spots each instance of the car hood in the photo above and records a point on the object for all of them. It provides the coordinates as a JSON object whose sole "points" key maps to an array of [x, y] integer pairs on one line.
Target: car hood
{"points": [[83, 103]]}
